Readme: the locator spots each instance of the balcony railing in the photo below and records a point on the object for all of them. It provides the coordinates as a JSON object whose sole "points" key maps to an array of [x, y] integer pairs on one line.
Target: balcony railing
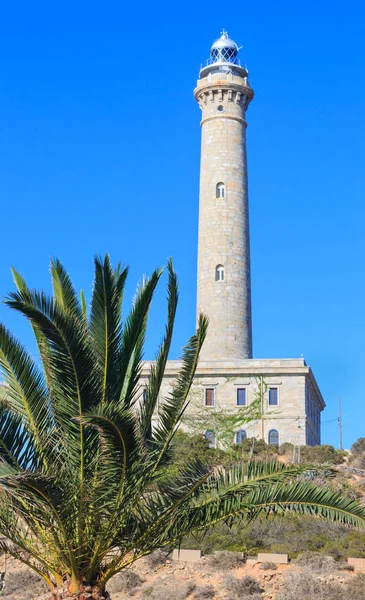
{"points": [[233, 60]]}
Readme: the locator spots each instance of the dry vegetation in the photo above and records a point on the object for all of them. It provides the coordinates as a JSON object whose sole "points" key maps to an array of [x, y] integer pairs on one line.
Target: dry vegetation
{"points": [[310, 577]]}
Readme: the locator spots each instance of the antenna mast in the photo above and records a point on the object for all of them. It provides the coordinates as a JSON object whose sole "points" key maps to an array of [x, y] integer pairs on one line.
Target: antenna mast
{"points": [[340, 423]]}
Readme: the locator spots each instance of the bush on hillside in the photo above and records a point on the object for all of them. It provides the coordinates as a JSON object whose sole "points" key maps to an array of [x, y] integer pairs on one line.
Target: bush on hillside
{"points": [[169, 590], [125, 581], [246, 587], [268, 566], [307, 586], [316, 563], [355, 588], [23, 585], [203, 592], [357, 456], [321, 455], [344, 566], [224, 561], [156, 559]]}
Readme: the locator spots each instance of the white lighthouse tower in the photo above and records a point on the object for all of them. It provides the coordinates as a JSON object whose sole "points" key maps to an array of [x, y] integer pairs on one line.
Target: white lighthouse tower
{"points": [[224, 282]]}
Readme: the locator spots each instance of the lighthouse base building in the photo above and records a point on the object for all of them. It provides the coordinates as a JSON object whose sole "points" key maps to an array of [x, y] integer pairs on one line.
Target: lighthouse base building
{"points": [[235, 396], [289, 400]]}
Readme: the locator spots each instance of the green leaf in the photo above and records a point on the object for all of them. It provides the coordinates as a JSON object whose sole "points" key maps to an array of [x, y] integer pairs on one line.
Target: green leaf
{"points": [[158, 368], [105, 324], [133, 338], [63, 290], [25, 393]]}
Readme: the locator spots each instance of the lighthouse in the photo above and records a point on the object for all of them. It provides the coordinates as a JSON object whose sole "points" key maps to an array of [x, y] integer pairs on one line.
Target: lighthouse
{"points": [[227, 379], [223, 279]]}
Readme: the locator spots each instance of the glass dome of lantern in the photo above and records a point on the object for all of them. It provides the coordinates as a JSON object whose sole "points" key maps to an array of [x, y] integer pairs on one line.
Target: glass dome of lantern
{"points": [[223, 58], [224, 49]]}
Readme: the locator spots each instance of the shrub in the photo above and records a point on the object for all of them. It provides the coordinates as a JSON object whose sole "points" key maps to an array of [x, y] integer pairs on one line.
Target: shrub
{"points": [[125, 581], [268, 566], [358, 447], [23, 584], [168, 591], [157, 558], [320, 455], [306, 586], [247, 587], [286, 449], [344, 567], [204, 591], [357, 456], [355, 588], [223, 561], [316, 563]]}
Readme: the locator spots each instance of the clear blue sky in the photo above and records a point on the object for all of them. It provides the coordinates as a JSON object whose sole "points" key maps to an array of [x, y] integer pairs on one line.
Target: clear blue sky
{"points": [[100, 152]]}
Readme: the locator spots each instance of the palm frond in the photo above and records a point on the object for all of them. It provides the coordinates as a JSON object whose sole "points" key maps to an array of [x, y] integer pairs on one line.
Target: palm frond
{"points": [[71, 359], [299, 498], [83, 305], [105, 323], [31, 508], [41, 341], [116, 429], [25, 393], [63, 290], [17, 450], [173, 407], [133, 338], [158, 368]]}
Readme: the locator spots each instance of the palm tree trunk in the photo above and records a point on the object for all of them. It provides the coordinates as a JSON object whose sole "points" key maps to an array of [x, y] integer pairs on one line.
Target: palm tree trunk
{"points": [[85, 592]]}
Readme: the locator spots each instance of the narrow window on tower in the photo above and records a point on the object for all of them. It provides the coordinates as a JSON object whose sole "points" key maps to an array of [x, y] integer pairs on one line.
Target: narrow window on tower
{"points": [[220, 190], [219, 273], [273, 396], [144, 396], [209, 397], [241, 397]]}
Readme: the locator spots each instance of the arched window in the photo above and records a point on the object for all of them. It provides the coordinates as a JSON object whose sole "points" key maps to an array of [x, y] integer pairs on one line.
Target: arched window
{"points": [[220, 190], [273, 437], [210, 437], [240, 436], [219, 273]]}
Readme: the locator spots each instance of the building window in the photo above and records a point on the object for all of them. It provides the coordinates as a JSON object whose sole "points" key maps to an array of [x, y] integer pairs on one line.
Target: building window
{"points": [[241, 397], [273, 437], [240, 436], [273, 396], [209, 397], [144, 396], [210, 437], [220, 190], [219, 273]]}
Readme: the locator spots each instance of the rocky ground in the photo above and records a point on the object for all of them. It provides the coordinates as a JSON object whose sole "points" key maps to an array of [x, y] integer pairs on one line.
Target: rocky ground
{"points": [[220, 577]]}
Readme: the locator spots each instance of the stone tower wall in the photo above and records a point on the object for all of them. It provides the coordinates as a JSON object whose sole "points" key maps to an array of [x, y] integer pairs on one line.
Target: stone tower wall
{"points": [[223, 222]]}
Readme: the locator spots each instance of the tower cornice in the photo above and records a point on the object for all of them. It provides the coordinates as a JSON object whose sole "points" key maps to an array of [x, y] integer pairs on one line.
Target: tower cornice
{"points": [[224, 81]]}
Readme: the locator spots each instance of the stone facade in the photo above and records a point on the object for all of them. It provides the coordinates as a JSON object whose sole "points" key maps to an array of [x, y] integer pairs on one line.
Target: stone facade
{"points": [[223, 217], [295, 417]]}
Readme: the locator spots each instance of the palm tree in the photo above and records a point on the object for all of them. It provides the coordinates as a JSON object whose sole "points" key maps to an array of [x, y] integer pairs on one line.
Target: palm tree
{"points": [[84, 484]]}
